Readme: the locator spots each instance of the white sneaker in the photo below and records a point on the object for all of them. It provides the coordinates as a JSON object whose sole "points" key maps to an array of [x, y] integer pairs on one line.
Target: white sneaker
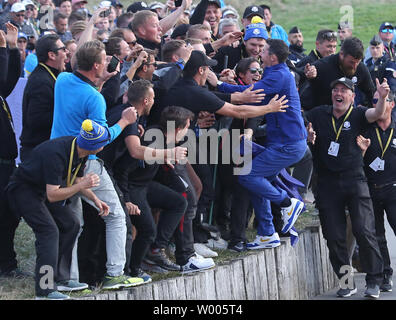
{"points": [[217, 244], [264, 242], [197, 263], [290, 214], [204, 251]]}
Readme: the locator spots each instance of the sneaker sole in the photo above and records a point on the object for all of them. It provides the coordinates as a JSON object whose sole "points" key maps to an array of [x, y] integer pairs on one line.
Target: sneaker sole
{"points": [[386, 290], [296, 213], [68, 289], [371, 296], [267, 246], [44, 298], [197, 270], [121, 286], [354, 291]]}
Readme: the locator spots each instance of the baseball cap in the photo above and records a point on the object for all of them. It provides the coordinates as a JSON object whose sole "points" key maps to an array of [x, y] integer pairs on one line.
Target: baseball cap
{"points": [[253, 10], [138, 6], [232, 12], [386, 25], [77, 1], [199, 59], [376, 40], [344, 25], [216, 2], [28, 3], [92, 135], [157, 5], [345, 81], [105, 4], [116, 3], [18, 7]]}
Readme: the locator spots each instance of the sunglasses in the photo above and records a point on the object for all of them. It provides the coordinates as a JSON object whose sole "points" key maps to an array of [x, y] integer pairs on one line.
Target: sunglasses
{"points": [[152, 64], [330, 35], [20, 15], [387, 30], [29, 9], [57, 49], [132, 42], [254, 70]]}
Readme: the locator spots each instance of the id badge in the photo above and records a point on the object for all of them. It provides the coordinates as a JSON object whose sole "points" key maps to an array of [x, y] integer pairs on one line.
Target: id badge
{"points": [[377, 164], [333, 149]]}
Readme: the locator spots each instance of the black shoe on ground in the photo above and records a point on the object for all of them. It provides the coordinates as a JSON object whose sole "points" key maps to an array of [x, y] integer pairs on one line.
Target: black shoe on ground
{"points": [[344, 293], [160, 258], [372, 291], [386, 285], [237, 247]]}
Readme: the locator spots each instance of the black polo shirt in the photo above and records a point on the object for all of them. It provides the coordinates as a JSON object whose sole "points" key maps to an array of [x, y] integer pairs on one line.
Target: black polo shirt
{"points": [[188, 94], [49, 164], [388, 175], [349, 154]]}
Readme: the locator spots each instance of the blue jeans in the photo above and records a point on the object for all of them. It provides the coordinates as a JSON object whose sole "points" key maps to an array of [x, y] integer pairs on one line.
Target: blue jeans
{"points": [[265, 167]]}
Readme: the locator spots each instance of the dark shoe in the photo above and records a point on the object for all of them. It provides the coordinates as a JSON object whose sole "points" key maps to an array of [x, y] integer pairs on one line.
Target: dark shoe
{"points": [[237, 247], [139, 273], [161, 259], [372, 291], [16, 273], [386, 285], [344, 293]]}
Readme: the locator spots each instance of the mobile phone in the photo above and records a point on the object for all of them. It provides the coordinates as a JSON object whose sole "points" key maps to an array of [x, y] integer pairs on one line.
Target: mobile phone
{"points": [[178, 3], [113, 64], [104, 14]]}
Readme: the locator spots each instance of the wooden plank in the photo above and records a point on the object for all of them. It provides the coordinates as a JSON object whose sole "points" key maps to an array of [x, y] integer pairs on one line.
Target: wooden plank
{"points": [[209, 287], [324, 261], [237, 280], [176, 289], [293, 272], [301, 267], [309, 262], [262, 281], [143, 292], [318, 263], [222, 282], [122, 295], [250, 267], [190, 287], [271, 274], [102, 296], [282, 271]]}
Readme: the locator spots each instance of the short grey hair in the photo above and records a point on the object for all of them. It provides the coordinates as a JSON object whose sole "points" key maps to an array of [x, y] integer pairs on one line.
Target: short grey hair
{"points": [[226, 23]]}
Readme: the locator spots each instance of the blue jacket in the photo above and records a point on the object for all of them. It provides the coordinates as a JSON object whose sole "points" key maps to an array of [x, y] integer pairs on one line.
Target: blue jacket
{"points": [[282, 127], [277, 32]]}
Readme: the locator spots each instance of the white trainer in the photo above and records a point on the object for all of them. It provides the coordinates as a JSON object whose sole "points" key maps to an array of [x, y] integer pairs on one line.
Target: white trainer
{"points": [[204, 251], [197, 263], [291, 213], [264, 242]]}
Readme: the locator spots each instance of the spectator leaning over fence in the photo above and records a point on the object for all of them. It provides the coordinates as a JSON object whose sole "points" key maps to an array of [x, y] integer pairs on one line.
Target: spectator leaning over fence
{"points": [[285, 145], [10, 66], [70, 109], [379, 145], [342, 183], [38, 191], [38, 96]]}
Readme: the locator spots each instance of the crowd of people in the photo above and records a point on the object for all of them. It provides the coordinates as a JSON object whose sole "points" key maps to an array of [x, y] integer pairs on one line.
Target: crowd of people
{"points": [[116, 101]]}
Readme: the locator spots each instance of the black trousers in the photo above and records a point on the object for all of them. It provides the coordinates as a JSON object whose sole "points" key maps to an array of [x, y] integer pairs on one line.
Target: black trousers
{"points": [[8, 223], [154, 195], [384, 199], [55, 228], [334, 193], [184, 237]]}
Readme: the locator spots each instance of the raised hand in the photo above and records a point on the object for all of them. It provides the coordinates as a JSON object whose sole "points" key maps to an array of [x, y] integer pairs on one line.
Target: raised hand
{"points": [[278, 105], [12, 35], [3, 41], [250, 96], [311, 133], [363, 143], [383, 88], [310, 71], [129, 114]]}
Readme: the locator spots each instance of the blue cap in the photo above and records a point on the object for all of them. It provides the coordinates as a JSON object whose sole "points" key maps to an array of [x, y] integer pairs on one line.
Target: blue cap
{"points": [[256, 30], [92, 136], [22, 35]]}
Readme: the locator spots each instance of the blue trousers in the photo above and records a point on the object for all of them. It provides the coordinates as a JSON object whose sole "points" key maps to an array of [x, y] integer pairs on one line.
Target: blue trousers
{"points": [[265, 167]]}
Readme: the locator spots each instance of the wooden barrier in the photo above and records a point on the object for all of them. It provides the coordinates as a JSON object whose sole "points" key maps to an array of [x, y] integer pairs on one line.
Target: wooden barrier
{"points": [[283, 273]]}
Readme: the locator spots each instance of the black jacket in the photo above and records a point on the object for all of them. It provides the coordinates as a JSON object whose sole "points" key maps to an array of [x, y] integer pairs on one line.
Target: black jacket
{"points": [[10, 66], [38, 107], [234, 56], [328, 70], [296, 53]]}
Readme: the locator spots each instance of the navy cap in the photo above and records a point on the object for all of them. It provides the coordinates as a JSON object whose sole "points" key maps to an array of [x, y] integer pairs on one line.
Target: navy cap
{"points": [[253, 11], [138, 6], [216, 2], [345, 81], [385, 25]]}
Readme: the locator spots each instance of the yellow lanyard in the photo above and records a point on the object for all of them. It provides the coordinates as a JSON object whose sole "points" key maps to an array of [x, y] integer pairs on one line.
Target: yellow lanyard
{"points": [[340, 128], [48, 69], [6, 110], [316, 54], [380, 141], [70, 182]]}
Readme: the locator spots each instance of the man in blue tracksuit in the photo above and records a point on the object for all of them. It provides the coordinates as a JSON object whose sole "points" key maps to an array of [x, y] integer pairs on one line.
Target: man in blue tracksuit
{"points": [[285, 146]]}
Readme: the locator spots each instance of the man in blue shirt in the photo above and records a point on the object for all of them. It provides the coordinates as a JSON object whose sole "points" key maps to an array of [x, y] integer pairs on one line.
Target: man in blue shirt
{"points": [[285, 146], [77, 98]]}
